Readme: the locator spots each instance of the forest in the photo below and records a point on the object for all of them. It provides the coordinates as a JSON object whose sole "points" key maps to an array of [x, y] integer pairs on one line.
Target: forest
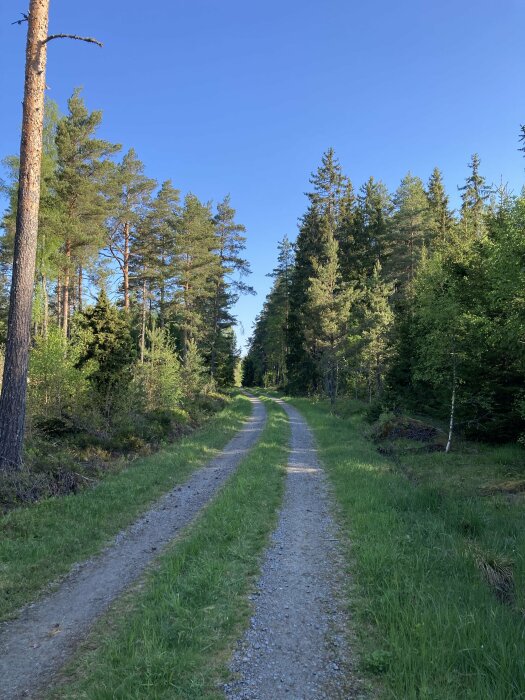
{"points": [[336, 510], [396, 299], [132, 331]]}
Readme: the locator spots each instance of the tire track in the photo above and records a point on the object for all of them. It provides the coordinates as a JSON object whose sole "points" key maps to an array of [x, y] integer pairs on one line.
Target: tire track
{"points": [[296, 646], [38, 643]]}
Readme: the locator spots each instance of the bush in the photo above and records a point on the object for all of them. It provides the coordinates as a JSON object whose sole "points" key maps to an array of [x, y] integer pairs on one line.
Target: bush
{"points": [[373, 411]]}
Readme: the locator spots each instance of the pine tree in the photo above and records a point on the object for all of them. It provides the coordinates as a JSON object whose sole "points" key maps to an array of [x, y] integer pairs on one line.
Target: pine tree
{"points": [[228, 285], [130, 191], [410, 232], [152, 258], [80, 180], [196, 267], [14, 384]]}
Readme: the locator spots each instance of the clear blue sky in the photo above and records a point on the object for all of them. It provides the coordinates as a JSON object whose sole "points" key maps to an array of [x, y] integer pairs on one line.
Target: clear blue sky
{"points": [[243, 96]]}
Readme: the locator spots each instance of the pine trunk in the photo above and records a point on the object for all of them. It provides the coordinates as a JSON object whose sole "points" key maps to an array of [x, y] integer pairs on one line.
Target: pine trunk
{"points": [[143, 329], [125, 266], [452, 404], [45, 296], [80, 287], [14, 385], [65, 298]]}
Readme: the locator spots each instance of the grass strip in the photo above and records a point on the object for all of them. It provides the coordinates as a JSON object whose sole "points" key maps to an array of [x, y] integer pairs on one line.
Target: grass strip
{"points": [[429, 626], [38, 544], [172, 639]]}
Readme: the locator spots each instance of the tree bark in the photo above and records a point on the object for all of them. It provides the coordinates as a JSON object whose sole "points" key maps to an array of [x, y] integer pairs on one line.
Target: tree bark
{"points": [[125, 266], [452, 403], [143, 329], [45, 296], [80, 287], [65, 299], [14, 385]]}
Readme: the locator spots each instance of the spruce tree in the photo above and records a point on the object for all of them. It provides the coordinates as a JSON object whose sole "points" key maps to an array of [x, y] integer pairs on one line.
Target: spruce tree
{"points": [[474, 196], [441, 221], [328, 308]]}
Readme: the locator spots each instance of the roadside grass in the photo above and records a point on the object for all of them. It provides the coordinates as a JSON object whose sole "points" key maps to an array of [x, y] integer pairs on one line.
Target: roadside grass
{"points": [[172, 636], [38, 544], [437, 561]]}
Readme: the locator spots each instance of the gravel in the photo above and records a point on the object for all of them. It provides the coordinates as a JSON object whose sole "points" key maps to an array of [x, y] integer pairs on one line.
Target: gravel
{"points": [[296, 646], [38, 643]]}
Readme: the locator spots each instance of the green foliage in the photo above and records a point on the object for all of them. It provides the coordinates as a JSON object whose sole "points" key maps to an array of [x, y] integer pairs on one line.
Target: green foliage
{"points": [[59, 388], [104, 334], [435, 313], [159, 377]]}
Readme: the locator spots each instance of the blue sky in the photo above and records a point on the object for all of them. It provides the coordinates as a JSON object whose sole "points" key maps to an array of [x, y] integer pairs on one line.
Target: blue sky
{"points": [[243, 97]]}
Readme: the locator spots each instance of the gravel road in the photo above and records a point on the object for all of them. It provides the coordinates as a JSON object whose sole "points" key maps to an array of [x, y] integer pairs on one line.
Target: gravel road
{"points": [[38, 643], [296, 646]]}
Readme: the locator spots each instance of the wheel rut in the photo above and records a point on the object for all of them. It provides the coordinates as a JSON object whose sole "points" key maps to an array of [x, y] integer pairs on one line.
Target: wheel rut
{"points": [[296, 646], [35, 646]]}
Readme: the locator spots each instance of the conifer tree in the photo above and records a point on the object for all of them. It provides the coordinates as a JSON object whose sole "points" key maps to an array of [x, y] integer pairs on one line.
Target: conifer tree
{"points": [[474, 196], [80, 181], [441, 220], [328, 307], [196, 268], [152, 258], [130, 192], [410, 232], [228, 285]]}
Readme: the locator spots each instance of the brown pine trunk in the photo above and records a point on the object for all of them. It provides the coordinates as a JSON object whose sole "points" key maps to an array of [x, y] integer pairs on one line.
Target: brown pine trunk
{"points": [[14, 385], [59, 302], [143, 329], [125, 266], [45, 296], [65, 299], [80, 287]]}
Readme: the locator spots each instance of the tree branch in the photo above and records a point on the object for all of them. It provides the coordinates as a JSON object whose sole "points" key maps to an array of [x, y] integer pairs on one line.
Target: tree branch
{"points": [[88, 39], [25, 18]]}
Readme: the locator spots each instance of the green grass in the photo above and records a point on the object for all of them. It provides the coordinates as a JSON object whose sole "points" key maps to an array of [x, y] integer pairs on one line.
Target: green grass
{"points": [[429, 625], [38, 544], [172, 637]]}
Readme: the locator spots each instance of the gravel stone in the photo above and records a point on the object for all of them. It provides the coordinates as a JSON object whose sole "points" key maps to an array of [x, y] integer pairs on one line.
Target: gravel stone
{"points": [[297, 644]]}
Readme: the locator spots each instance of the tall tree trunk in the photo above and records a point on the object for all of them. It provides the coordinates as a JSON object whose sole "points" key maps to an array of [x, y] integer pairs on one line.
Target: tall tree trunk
{"points": [[45, 297], [59, 301], [80, 287], [67, 281], [14, 385], [143, 328], [125, 266], [452, 401]]}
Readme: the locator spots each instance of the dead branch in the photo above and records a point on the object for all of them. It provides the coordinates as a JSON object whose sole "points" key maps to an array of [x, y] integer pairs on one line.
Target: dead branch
{"points": [[25, 18], [88, 39]]}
